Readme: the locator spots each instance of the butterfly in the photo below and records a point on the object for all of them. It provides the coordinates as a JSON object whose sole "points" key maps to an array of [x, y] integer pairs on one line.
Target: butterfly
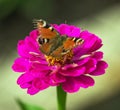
{"points": [[52, 43]]}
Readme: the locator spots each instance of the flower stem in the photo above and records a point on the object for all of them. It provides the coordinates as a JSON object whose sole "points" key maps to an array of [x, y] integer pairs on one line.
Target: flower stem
{"points": [[61, 98]]}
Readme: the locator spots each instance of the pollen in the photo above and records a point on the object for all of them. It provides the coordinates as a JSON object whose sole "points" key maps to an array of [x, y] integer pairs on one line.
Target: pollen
{"points": [[62, 60]]}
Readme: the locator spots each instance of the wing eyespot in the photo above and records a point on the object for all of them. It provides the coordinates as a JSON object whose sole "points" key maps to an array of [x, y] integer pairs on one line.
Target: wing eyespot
{"points": [[43, 40], [40, 41]]}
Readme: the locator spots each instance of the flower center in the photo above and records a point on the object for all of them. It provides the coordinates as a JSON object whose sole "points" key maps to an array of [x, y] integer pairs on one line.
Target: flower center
{"points": [[59, 60]]}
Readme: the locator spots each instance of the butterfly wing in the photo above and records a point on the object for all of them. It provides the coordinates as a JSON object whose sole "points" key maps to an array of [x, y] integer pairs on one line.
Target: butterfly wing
{"points": [[45, 30], [67, 45], [71, 43], [47, 36]]}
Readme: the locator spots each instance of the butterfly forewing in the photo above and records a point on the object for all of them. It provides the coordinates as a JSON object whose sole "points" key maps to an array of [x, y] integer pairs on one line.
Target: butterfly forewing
{"points": [[71, 43], [45, 30]]}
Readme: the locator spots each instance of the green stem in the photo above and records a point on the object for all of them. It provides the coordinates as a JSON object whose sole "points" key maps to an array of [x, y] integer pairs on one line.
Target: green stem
{"points": [[61, 98]]}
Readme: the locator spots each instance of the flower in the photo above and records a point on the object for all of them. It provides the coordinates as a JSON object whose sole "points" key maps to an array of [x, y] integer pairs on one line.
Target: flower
{"points": [[37, 74]]}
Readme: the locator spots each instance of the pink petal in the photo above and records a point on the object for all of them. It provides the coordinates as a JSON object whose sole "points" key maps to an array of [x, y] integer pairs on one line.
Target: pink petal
{"points": [[34, 34], [38, 72], [70, 85], [40, 84], [32, 44], [22, 50], [38, 58], [74, 31], [20, 65], [74, 84], [26, 46], [25, 85], [90, 65], [101, 66], [57, 78], [82, 61], [32, 90], [69, 30], [85, 81], [63, 29], [77, 71], [91, 41], [25, 78], [98, 55], [38, 65], [69, 66]]}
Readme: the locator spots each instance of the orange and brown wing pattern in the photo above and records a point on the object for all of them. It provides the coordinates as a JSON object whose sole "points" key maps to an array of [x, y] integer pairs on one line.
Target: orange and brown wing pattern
{"points": [[67, 45], [45, 30], [46, 49], [71, 43]]}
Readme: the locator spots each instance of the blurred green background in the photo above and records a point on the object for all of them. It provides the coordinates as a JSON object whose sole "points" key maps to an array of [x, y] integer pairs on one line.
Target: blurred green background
{"points": [[98, 16]]}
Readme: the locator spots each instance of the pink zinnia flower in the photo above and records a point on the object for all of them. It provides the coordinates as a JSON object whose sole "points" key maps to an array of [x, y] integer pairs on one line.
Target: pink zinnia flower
{"points": [[38, 75]]}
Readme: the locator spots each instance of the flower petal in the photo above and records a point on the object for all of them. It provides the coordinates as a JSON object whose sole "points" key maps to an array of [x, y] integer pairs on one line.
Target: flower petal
{"points": [[82, 61], [90, 65], [101, 66], [56, 79], [74, 84], [76, 71], [88, 62], [39, 66], [74, 31], [34, 34], [20, 65], [32, 90], [24, 78], [64, 29], [25, 85], [22, 50], [70, 85], [40, 84], [98, 55], [91, 41], [69, 30], [26, 46], [85, 81], [37, 72]]}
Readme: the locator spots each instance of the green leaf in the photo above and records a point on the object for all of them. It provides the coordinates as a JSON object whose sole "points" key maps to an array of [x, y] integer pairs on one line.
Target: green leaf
{"points": [[26, 106]]}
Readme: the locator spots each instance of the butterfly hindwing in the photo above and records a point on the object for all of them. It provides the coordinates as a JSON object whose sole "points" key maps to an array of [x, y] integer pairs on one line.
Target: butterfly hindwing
{"points": [[72, 42], [67, 45]]}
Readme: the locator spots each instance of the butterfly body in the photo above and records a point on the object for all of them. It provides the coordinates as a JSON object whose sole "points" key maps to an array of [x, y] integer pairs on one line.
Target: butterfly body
{"points": [[52, 43]]}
